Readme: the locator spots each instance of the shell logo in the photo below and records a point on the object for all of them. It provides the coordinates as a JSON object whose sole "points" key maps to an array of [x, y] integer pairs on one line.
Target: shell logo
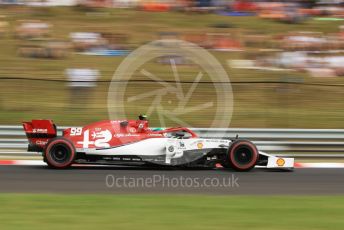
{"points": [[199, 145], [280, 162]]}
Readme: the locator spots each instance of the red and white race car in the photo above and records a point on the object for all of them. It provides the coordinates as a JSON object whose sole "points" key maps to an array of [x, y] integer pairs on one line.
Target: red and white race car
{"points": [[132, 142]]}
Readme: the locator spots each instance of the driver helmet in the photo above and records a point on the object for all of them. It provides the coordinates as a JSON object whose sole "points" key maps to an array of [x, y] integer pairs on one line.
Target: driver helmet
{"points": [[143, 117]]}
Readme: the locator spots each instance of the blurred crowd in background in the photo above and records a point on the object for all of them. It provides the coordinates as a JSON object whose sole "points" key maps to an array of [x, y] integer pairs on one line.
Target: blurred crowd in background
{"points": [[274, 9], [296, 50], [302, 49]]}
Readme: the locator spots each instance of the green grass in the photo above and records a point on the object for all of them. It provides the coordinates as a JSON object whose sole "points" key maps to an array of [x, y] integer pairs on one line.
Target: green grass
{"points": [[255, 105], [170, 212]]}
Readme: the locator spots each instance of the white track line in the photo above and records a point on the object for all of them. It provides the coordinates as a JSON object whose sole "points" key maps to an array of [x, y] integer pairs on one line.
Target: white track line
{"points": [[319, 165]]}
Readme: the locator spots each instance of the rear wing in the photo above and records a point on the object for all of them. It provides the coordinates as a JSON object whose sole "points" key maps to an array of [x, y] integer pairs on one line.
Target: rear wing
{"points": [[39, 132]]}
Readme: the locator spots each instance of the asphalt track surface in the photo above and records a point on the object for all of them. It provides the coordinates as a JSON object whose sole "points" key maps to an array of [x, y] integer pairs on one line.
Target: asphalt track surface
{"points": [[41, 179]]}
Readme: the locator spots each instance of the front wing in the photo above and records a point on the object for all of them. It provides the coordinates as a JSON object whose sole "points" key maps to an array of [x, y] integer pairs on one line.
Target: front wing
{"points": [[275, 162]]}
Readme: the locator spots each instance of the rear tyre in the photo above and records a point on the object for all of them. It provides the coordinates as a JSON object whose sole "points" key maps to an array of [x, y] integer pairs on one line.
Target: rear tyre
{"points": [[242, 156], [59, 153]]}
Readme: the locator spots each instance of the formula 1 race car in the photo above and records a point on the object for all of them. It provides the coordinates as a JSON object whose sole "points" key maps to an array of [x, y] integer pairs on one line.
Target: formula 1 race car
{"points": [[132, 142]]}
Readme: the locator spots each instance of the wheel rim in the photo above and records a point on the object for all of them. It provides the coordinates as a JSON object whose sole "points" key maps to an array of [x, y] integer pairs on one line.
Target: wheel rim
{"points": [[243, 155], [60, 153]]}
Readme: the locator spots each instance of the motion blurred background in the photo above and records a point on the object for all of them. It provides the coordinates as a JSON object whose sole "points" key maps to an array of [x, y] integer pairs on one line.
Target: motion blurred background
{"points": [[284, 58], [285, 61]]}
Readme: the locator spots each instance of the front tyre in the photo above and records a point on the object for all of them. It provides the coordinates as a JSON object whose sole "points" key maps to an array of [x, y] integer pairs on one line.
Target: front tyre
{"points": [[242, 155], [59, 153]]}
